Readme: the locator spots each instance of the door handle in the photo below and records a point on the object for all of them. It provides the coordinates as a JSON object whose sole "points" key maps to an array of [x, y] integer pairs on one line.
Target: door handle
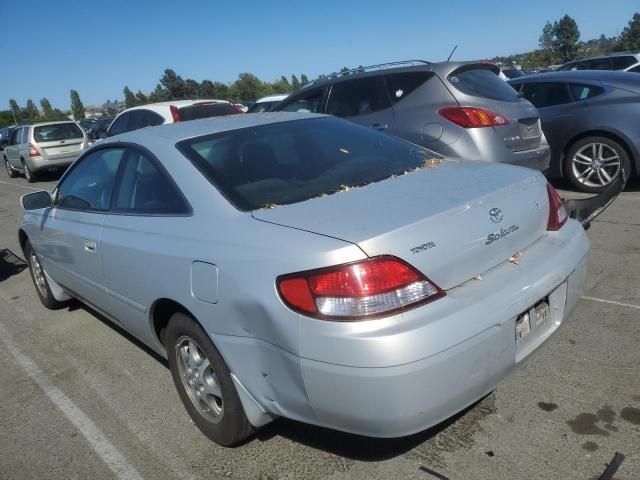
{"points": [[379, 126], [90, 246]]}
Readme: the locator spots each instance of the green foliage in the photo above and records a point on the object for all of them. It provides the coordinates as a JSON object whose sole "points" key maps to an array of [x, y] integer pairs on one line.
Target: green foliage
{"points": [[141, 98], [159, 95], [77, 108], [16, 111], [6, 118], [47, 109], [248, 87], [303, 80], [30, 113], [173, 84], [630, 36], [295, 83], [565, 39], [191, 89], [129, 98]]}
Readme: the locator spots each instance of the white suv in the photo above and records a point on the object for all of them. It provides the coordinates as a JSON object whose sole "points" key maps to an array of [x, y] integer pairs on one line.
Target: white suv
{"points": [[628, 62], [168, 112]]}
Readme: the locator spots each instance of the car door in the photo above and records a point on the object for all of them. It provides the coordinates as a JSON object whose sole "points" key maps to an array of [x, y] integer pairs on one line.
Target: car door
{"points": [[12, 151], [142, 247], [70, 241], [362, 100]]}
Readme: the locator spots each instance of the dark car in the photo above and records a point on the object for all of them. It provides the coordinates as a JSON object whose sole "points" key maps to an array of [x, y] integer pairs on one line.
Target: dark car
{"points": [[590, 119], [5, 134], [457, 109], [98, 128]]}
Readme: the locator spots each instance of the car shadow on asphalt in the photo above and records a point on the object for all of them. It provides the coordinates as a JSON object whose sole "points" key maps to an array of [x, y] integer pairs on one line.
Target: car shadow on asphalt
{"points": [[10, 264], [351, 446]]}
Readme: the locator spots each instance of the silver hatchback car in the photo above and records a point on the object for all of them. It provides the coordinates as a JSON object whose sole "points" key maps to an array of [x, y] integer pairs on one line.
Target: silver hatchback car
{"points": [[302, 266], [41, 147]]}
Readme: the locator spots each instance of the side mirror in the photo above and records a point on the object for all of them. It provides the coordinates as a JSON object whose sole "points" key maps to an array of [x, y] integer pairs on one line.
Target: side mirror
{"points": [[36, 200]]}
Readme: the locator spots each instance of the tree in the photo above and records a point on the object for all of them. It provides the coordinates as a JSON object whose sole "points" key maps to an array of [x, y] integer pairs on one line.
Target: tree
{"points": [[16, 111], [281, 86], [77, 109], [31, 111], [303, 80], [209, 89], [295, 83], [129, 98], [173, 84], [546, 39], [248, 87], [47, 109], [565, 39], [630, 36], [159, 95], [141, 98], [191, 88]]}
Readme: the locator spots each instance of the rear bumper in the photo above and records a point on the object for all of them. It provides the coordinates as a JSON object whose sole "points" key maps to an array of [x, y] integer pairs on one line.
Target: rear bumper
{"points": [[39, 164], [537, 159], [466, 342]]}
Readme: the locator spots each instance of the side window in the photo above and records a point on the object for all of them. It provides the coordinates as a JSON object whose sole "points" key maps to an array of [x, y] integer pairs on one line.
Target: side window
{"points": [[15, 136], [146, 189], [143, 118], [583, 92], [635, 69], [120, 125], [89, 185], [546, 94], [309, 102], [516, 86], [599, 64], [352, 98], [399, 85], [620, 63]]}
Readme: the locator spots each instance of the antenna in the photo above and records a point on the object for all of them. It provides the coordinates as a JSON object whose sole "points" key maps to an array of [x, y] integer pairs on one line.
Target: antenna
{"points": [[451, 54]]}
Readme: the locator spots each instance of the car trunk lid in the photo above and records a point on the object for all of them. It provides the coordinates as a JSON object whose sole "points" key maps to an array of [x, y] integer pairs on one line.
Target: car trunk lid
{"points": [[452, 222]]}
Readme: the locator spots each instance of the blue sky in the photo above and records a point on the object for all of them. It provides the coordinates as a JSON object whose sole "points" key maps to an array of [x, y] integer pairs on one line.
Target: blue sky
{"points": [[99, 47]]}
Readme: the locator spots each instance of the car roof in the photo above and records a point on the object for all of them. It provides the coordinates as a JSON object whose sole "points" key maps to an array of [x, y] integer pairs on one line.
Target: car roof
{"points": [[43, 124], [177, 103], [610, 76], [175, 132], [616, 54]]}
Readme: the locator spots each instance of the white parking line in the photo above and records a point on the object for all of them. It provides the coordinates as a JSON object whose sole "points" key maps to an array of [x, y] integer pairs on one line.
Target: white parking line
{"points": [[612, 302], [109, 454], [20, 186]]}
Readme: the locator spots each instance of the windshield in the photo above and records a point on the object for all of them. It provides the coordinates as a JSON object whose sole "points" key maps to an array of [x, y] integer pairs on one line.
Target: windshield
{"points": [[289, 162], [56, 132]]}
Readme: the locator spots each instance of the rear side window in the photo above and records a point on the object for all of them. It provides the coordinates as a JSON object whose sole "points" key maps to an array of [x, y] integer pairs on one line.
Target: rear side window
{"points": [[206, 110], [146, 189], [353, 98], [546, 94], [289, 162], [57, 132], [89, 185], [483, 83], [635, 69], [143, 118], [620, 63], [400, 85], [583, 92], [599, 64], [119, 125], [309, 102]]}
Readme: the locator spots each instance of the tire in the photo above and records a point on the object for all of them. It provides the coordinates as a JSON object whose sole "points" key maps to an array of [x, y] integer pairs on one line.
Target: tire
{"points": [[10, 171], [29, 174], [592, 163], [40, 280], [221, 416]]}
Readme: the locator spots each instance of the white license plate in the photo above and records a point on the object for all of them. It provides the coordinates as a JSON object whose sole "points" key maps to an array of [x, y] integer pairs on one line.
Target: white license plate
{"points": [[532, 320]]}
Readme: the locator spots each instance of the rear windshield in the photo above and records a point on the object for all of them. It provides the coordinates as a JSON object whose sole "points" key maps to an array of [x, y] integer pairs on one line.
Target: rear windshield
{"points": [[482, 82], [59, 131], [262, 106], [289, 162], [206, 110]]}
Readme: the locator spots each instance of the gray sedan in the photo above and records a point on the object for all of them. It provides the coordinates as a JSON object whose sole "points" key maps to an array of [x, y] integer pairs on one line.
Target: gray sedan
{"points": [[302, 266], [590, 119]]}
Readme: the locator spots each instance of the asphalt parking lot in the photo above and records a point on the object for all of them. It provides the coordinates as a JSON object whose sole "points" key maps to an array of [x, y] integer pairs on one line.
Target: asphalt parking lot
{"points": [[79, 398]]}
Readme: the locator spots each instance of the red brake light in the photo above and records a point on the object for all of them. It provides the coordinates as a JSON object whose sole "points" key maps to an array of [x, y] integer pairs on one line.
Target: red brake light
{"points": [[557, 213], [358, 291], [472, 117], [175, 113], [33, 152]]}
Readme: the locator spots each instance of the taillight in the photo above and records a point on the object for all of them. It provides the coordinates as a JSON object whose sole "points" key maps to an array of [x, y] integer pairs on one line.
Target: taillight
{"points": [[472, 117], [358, 291], [557, 213], [237, 108], [33, 152], [175, 113]]}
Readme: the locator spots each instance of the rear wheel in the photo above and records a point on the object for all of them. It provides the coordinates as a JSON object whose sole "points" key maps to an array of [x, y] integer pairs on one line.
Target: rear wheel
{"points": [[10, 171], [29, 174], [204, 383], [592, 163], [40, 279]]}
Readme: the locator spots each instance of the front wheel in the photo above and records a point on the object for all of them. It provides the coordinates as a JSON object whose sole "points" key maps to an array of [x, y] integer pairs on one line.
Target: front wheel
{"points": [[204, 383], [592, 163], [40, 279], [10, 171]]}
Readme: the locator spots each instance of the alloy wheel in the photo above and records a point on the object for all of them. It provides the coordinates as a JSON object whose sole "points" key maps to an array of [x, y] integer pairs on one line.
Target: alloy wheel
{"points": [[198, 379], [38, 274], [8, 167], [595, 165]]}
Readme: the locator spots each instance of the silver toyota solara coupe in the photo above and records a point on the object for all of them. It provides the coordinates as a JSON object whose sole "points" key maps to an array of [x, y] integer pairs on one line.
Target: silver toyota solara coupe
{"points": [[302, 266]]}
